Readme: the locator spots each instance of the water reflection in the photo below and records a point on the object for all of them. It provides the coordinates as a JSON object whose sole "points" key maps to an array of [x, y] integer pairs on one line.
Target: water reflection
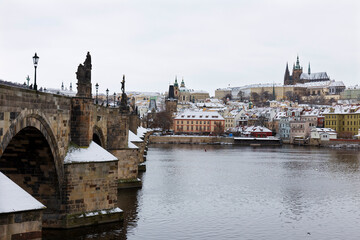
{"points": [[237, 192], [127, 201]]}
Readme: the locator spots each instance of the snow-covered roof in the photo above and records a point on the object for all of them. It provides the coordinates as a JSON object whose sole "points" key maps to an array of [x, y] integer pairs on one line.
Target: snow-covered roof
{"points": [[321, 130], [337, 84], [314, 112], [199, 115], [342, 109], [134, 138], [93, 153], [224, 89], [314, 76], [314, 84], [141, 131], [280, 115], [132, 146], [15, 199], [209, 105], [257, 129]]}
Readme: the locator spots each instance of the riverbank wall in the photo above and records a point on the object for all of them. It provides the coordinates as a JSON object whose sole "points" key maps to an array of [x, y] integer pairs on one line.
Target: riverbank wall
{"points": [[341, 143], [174, 139]]}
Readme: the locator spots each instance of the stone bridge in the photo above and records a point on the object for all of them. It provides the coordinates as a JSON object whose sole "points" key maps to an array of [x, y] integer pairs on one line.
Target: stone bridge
{"points": [[38, 130]]}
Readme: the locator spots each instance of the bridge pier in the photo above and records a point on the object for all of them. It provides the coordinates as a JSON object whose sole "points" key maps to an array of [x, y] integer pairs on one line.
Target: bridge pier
{"points": [[90, 187]]}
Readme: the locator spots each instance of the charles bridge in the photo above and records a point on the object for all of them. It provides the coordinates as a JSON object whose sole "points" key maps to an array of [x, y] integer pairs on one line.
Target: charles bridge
{"points": [[39, 130]]}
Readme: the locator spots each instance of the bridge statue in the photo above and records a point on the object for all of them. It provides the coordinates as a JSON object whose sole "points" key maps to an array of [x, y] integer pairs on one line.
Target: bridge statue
{"points": [[123, 104], [83, 76]]}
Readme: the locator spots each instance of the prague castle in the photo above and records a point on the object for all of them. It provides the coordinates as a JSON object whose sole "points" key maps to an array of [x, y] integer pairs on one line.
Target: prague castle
{"points": [[298, 76]]}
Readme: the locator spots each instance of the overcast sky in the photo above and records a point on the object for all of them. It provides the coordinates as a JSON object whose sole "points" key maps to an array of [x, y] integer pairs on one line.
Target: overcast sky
{"points": [[212, 44]]}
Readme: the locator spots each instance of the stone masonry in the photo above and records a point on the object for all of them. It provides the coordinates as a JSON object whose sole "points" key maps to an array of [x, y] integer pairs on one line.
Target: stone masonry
{"points": [[36, 129]]}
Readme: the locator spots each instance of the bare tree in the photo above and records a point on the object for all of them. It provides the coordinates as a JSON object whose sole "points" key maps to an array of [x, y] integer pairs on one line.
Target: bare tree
{"points": [[218, 128], [162, 120], [227, 97], [255, 97], [261, 121], [345, 135], [241, 95]]}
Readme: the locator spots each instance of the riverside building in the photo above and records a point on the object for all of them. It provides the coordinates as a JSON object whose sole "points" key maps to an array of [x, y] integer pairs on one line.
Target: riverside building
{"points": [[199, 122]]}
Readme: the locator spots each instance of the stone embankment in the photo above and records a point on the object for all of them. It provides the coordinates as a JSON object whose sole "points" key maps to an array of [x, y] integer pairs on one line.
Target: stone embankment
{"points": [[178, 139], [342, 143]]}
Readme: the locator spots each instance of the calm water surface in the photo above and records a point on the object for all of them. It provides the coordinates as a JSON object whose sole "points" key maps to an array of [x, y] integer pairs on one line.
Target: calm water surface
{"points": [[233, 192]]}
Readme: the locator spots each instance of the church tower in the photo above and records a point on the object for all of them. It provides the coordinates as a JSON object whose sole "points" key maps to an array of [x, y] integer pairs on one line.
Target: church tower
{"points": [[176, 88], [182, 83], [171, 101], [297, 71], [287, 77]]}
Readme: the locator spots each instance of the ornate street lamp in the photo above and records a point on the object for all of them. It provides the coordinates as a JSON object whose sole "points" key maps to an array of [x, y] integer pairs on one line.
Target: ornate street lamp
{"points": [[107, 97], [114, 99], [97, 88], [35, 60]]}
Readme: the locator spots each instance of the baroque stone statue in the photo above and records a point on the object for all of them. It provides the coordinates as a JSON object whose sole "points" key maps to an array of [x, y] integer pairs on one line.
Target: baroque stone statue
{"points": [[123, 103], [83, 76]]}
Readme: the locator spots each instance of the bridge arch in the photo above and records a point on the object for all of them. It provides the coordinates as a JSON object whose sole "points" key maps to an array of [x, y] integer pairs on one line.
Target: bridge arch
{"points": [[29, 156], [98, 136]]}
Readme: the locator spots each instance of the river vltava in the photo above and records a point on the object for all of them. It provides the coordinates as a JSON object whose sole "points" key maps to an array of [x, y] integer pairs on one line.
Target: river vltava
{"points": [[233, 192]]}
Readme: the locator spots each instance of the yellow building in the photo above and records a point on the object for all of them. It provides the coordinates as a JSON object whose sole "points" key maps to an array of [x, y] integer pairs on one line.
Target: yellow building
{"points": [[344, 120], [220, 93]]}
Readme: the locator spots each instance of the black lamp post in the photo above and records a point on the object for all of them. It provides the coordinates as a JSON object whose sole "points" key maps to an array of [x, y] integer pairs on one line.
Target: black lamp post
{"points": [[35, 60], [107, 97], [114, 99], [97, 88]]}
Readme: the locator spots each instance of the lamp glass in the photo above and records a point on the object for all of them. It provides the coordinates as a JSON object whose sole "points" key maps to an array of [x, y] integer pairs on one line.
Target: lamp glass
{"points": [[35, 60]]}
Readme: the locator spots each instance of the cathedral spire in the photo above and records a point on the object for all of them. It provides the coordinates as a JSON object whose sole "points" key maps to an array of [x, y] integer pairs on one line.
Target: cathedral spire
{"points": [[287, 75], [297, 66], [176, 83]]}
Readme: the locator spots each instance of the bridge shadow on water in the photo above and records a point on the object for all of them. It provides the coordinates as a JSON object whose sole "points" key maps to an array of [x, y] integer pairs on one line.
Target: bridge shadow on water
{"points": [[127, 201]]}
